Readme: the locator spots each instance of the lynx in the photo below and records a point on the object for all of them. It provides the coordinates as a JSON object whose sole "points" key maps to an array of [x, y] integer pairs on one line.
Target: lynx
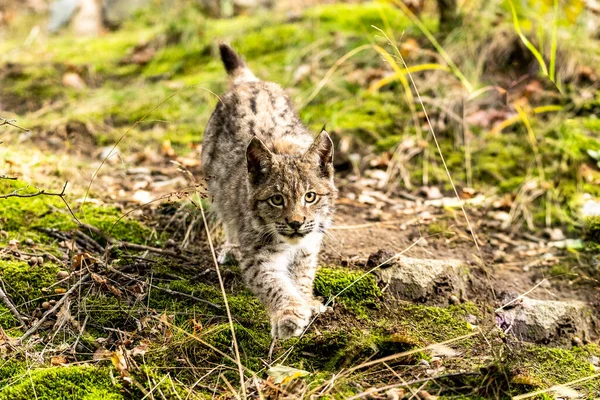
{"points": [[272, 187]]}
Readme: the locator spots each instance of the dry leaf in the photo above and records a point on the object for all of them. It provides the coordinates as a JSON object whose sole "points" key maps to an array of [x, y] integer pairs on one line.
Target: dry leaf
{"points": [[141, 348], [120, 363], [83, 260], [58, 360], [60, 290]]}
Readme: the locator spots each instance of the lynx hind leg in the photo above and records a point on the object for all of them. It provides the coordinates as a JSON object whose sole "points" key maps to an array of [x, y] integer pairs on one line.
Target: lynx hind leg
{"points": [[229, 252]]}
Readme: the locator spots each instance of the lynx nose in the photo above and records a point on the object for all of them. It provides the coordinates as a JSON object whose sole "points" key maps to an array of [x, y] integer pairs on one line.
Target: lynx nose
{"points": [[295, 225]]}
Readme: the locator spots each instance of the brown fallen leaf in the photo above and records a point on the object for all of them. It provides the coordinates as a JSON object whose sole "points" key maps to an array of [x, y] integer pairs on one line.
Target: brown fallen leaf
{"points": [[58, 360], [83, 260]]}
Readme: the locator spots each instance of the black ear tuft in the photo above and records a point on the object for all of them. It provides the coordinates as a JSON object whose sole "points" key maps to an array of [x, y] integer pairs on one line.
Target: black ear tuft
{"points": [[258, 159], [230, 58], [322, 148]]}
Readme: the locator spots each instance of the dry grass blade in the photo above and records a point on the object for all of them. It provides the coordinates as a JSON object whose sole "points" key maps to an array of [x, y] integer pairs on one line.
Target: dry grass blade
{"points": [[526, 41], [409, 352], [439, 149], [331, 71], [214, 257], [555, 388], [435, 44], [514, 119]]}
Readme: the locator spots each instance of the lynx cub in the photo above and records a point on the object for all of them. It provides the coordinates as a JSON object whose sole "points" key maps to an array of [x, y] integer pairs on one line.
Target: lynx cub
{"points": [[272, 185]]}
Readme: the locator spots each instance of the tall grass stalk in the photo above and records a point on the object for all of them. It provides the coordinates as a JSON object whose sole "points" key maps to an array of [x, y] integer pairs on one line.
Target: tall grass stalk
{"points": [[438, 47]]}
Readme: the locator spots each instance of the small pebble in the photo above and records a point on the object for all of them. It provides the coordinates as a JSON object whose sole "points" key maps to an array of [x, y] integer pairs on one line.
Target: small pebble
{"points": [[46, 305], [424, 363], [40, 260], [577, 341], [594, 360], [454, 300], [60, 275], [32, 261], [29, 242], [170, 243]]}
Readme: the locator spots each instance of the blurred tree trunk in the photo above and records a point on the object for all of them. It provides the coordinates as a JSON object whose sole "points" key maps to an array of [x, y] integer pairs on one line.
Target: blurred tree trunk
{"points": [[449, 16]]}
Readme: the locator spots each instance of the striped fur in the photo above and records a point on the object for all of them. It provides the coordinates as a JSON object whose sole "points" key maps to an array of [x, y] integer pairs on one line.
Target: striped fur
{"points": [[255, 153]]}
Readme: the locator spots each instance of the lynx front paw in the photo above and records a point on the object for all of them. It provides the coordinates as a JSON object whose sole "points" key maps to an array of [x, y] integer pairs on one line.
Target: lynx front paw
{"points": [[290, 321]]}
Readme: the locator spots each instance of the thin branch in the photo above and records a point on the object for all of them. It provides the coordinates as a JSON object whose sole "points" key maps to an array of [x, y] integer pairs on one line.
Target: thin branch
{"points": [[162, 289], [9, 304], [42, 192], [11, 122]]}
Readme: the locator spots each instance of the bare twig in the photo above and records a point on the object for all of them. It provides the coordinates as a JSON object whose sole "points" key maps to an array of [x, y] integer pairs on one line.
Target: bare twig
{"points": [[11, 122], [162, 289], [156, 250], [8, 303], [43, 192], [58, 304]]}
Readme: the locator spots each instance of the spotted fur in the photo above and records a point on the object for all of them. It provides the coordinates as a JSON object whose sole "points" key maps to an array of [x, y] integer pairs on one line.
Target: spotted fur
{"points": [[272, 187]]}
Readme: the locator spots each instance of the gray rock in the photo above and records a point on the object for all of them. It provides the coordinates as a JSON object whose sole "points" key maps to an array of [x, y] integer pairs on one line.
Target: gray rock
{"points": [[546, 321], [425, 281]]}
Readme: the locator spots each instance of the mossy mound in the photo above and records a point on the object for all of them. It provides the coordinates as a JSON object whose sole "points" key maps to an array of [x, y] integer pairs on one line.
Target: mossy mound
{"points": [[541, 367], [21, 217], [81, 382]]}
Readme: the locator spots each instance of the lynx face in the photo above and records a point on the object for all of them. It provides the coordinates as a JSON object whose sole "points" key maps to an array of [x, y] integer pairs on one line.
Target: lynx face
{"points": [[291, 196]]}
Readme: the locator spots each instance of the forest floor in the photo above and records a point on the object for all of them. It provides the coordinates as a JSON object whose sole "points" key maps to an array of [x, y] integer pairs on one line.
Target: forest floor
{"points": [[109, 288]]}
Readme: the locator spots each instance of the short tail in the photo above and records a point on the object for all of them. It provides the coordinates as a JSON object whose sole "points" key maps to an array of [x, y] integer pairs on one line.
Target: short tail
{"points": [[235, 66]]}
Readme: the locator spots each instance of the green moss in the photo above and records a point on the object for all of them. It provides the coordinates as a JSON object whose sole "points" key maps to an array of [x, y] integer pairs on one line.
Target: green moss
{"points": [[82, 382], [7, 320], [425, 324], [359, 18], [21, 216], [541, 366], [350, 286], [592, 230], [24, 283], [109, 311]]}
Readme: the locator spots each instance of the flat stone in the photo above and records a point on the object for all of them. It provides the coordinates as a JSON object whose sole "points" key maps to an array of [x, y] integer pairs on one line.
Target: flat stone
{"points": [[546, 321], [425, 281]]}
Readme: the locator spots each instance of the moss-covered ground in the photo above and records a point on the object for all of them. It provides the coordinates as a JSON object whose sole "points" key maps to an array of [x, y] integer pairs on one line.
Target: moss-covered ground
{"points": [[142, 333]]}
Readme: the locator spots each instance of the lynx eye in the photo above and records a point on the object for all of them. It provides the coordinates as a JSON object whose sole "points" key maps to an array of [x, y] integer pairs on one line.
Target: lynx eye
{"points": [[276, 200], [310, 197]]}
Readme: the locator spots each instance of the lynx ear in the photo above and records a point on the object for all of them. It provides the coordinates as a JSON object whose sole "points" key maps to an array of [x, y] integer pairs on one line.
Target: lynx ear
{"points": [[322, 151], [258, 159]]}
